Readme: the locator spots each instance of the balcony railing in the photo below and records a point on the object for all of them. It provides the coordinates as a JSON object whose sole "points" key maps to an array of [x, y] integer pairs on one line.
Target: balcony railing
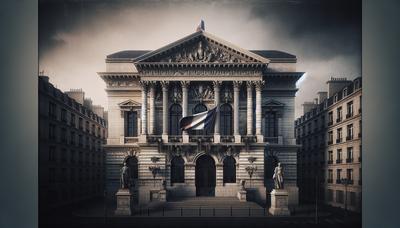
{"points": [[338, 120], [271, 140], [359, 159], [330, 161], [359, 110], [330, 142], [348, 115], [330, 123], [338, 181], [227, 138], [175, 138], [349, 160], [201, 138], [339, 140], [338, 161], [249, 139], [359, 135], [330, 181], [154, 138], [349, 137]]}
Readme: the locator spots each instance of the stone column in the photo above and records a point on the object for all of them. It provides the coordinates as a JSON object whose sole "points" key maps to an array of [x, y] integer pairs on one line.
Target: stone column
{"points": [[236, 90], [152, 108], [143, 135], [217, 136], [249, 85], [164, 85], [259, 86], [280, 137], [185, 86]]}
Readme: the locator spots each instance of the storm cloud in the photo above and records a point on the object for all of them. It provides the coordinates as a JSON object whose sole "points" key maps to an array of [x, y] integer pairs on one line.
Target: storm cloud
{"points": [[75, 36]]}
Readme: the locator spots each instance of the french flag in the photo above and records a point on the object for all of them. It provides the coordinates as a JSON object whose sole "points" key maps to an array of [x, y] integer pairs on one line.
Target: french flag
{"points": [[199, 121]]}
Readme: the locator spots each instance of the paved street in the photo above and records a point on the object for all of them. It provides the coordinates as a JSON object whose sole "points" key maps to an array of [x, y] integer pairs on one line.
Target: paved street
{"points": [[199, 212]]}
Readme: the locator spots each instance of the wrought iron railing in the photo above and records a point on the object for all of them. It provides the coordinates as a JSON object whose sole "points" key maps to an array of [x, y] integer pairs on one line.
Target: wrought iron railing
{"points": [[175, 138], [201, 138], [272, 140]]}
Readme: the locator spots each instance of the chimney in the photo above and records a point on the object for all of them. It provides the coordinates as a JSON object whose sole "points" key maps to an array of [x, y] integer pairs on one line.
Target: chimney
{"points": [[336, 84], [99, 110], [322, 96], [88, 103], [77, 94], [307, 106]]}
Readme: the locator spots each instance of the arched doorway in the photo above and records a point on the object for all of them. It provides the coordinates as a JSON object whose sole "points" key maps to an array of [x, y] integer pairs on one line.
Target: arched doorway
{"points": [[132, 163], [205, 176]]}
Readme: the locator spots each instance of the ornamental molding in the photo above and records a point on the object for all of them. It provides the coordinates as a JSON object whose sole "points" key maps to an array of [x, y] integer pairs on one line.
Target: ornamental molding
{"points": [[203, 72]]}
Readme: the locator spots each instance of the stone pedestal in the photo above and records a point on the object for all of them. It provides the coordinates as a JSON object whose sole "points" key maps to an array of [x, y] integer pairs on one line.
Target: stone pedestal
{"points": [[279, 202], [164, 138], [241, 195], [142, 138], [217, 138], [260, 138], [238, 138], [162, 195], [185, 138], [124, 201]]}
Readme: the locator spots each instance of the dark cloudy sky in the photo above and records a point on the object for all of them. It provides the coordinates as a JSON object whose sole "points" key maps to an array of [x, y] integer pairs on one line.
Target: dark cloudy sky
{"points": [[76, 35]]}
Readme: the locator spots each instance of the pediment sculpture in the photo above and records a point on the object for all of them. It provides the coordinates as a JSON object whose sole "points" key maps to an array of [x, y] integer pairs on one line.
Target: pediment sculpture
{"points": [[203, 51]]}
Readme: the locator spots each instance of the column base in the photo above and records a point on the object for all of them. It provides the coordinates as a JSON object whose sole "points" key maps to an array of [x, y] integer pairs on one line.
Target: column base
{"points": [[164, 138], [241, 195], [122, 139], [238, 138], [143, 139], [260, 138], [217, 138], [185, 138]]}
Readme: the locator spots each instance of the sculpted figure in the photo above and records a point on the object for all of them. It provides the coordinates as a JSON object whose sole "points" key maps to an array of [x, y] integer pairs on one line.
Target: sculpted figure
{"points": [[278, 177], [125, 176]]}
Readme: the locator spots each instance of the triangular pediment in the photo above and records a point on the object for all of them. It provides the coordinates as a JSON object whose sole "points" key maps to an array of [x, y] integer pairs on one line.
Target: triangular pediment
{"points": [[129, 103], [201, 47], [273, 103]]}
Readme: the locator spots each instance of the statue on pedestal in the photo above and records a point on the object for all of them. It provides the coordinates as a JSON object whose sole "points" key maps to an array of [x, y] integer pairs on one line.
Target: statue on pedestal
{"points": [[278, 176], [125, 176]]}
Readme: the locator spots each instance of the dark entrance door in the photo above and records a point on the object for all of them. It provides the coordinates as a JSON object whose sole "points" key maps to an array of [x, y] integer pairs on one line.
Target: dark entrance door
{"points": [[205, 176]]}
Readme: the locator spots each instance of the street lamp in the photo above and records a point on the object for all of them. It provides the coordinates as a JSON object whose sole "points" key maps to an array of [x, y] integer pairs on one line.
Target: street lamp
{"points": [[345, 182]]}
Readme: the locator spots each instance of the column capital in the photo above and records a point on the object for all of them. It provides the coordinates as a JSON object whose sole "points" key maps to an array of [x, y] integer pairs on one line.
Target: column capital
{"points": [[249, 85], [217, 84], [185, 84], [144, 84], [237, 84], [164, 85], [259, 85]]}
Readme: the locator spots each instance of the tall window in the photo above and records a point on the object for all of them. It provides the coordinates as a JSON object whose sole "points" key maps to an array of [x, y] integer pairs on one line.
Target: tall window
{"points": [[349, 154], [132, 163], [226, 119], [198, 109], [349, 132], [349, 109], [131, 124], [339, 114], [175, 114], [229, 170], [177, 170], [338, 175], [271, 124], [339, 156]]}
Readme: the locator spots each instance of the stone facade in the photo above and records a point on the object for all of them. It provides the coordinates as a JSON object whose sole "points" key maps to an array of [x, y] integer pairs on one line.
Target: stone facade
{"points": [[149, 91], [71, 159], [330, 135]]}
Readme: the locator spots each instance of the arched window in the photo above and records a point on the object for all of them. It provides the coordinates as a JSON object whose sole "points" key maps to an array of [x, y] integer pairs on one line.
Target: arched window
{"points": [[225, 119], [131, 124], [177, 170], [198, 109], [269, 166], [229, 170], [175, 114], [270, 127]]}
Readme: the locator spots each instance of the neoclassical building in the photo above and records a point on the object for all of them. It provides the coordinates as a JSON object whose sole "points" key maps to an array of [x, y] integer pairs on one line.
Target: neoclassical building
{"points": [[150, 91]]}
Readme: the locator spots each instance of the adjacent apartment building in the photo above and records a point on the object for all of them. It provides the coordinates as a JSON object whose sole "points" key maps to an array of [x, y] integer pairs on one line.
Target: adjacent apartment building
{"points": [[330, 157], [71, 134]]}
